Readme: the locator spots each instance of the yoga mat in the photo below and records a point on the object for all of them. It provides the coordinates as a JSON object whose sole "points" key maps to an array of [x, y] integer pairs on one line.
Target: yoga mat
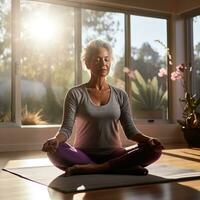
{"points": [[42, 172]]}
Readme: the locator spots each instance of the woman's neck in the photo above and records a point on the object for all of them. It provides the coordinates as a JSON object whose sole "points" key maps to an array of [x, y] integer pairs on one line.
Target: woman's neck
{"points": [[97, 83]]}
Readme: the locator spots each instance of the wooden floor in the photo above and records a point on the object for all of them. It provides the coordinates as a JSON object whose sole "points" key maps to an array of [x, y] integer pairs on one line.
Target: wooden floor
{"points": [[15, 188]]}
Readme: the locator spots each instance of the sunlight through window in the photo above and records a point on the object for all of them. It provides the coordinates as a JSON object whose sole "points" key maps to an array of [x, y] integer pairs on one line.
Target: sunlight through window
{"points": [[41, 28], [47, 59]]}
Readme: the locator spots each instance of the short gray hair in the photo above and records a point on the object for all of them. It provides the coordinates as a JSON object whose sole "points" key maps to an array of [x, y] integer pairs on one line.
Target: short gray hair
{"points": [[92, 46]]}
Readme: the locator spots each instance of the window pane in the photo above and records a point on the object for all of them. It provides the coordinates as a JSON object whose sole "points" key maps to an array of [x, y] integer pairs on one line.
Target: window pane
{"points": [[47, 62], [196, 53], [149, 91], [5, 60], [108, 26]]}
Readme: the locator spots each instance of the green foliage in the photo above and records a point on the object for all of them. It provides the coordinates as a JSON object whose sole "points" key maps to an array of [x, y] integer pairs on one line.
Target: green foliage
{"points": [[100, 24], [145, 60], [191, 117], [5, 35], [118, 70], [5, 104], [147, 53], [147, 95], [53, 111], [4, 116], [197, 69]]}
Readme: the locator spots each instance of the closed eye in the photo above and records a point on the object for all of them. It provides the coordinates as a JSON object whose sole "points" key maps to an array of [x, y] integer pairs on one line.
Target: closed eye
{"points": [[98, 60], [107, 59]]}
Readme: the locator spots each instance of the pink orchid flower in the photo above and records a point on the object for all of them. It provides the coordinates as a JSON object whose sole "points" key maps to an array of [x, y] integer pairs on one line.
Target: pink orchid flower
{"points": [[181, 68], [162, 72], [176, 75]]}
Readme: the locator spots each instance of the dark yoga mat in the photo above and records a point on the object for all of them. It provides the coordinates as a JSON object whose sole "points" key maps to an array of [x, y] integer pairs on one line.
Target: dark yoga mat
{"points": [[51, 176]]}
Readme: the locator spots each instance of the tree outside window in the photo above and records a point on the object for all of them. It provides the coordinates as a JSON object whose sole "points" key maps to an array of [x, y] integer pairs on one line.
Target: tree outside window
{"points": [[47, 60], [108, 26], [5, 60], [196, 56], [148, 91]]}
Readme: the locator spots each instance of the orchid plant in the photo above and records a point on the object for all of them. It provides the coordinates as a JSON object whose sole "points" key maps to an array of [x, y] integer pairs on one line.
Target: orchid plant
{"points": [[191, 117]]}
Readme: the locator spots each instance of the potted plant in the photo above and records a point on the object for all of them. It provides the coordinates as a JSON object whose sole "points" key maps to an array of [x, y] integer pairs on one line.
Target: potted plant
{"points": [[190, 122]]}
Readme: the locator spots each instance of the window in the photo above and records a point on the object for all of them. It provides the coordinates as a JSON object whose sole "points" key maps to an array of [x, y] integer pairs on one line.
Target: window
{"points": [[49, 55], [196, 55], [47, 60], [108, 26], [148, 90], [5, 61]]}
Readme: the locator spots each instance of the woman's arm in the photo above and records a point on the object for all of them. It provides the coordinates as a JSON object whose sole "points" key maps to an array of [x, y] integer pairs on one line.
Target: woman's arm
{"points": [[60, 137], [69, 113], [129, 127]]}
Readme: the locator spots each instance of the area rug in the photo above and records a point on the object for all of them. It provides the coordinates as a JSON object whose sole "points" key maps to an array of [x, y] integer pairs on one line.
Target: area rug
{"points": [[42, 172]]}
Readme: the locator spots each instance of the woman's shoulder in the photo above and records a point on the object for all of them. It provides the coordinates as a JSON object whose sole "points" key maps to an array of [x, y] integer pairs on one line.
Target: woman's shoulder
{"points": [[77, 90], [77, 87], [120, 94], [118, 91]]}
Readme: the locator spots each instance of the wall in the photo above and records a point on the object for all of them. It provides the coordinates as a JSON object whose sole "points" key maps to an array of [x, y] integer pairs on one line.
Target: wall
{"points": [[168, 6], [186, 5], [18, 139]]}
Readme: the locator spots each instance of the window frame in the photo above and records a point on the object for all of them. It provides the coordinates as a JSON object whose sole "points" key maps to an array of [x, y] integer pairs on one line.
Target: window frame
{"points": [[169, 69], [189, 49], [16, 95], [15, 120]]}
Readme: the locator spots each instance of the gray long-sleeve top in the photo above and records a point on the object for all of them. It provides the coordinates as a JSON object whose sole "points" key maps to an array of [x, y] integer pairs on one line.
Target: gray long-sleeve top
{"points": [[97, 127]]}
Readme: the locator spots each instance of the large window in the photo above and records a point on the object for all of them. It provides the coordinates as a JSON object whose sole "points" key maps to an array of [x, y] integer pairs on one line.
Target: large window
{"points": [[148, 90], [47, 60], [196, 55], [5, 60], [51, 39], [108, 26]]}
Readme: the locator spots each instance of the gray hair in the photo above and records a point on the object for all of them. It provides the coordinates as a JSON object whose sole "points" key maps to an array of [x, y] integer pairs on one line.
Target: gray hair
{"points": [[92, 46]]}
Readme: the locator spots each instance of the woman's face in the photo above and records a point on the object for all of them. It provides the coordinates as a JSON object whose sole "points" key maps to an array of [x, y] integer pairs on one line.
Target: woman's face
{"points": [[99, 64]]}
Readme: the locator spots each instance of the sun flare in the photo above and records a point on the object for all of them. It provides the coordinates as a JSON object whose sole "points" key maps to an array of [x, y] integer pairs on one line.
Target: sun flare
{"points": [[41, 28]]}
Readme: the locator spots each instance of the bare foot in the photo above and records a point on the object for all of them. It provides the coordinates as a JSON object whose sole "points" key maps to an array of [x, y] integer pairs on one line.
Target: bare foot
{"points": [[88, 169]]}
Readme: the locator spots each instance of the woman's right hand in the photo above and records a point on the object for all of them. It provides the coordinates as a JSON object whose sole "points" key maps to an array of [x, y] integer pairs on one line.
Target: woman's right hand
{"points": [[51, 145]]}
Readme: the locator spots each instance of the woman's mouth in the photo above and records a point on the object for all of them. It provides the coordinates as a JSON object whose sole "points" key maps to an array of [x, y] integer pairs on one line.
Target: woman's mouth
{"points": [[102, 68]]}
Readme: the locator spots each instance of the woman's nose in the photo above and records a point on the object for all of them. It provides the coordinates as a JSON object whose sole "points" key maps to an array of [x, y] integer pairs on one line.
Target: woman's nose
{"points": [[103, 61]]}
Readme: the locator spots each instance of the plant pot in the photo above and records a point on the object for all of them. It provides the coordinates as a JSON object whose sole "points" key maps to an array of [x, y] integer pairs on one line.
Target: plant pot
{"points": [[192, 136]]}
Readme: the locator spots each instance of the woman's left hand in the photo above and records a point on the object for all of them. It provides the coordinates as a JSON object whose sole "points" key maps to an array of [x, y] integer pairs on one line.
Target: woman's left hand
{"points": [[144, 139], [155, 143]]}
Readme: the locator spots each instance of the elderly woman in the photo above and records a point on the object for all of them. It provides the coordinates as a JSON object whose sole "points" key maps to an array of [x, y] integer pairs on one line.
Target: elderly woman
{"points": [[97, 109]]}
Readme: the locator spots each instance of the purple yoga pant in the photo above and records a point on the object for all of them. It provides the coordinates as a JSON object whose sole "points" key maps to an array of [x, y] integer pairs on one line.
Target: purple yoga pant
{"points": [[67, 156]]}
